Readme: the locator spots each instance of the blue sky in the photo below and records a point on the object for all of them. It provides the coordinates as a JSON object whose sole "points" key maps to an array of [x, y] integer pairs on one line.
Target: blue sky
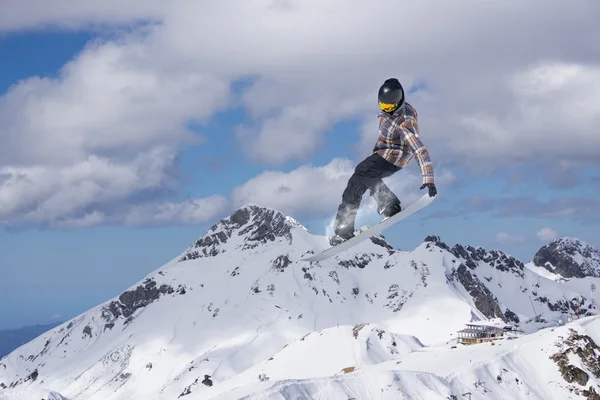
{"points": [[114, 164]]}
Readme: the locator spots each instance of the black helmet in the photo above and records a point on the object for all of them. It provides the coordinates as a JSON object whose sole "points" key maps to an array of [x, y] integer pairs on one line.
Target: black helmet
{"points": [[391, 95]]}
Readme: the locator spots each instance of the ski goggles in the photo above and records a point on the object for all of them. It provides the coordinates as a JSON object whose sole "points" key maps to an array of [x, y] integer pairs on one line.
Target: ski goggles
{"points": [[388, 107]]}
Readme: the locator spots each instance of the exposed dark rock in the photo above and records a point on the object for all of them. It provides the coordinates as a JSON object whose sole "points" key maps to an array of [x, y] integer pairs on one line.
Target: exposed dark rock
{"points": [[33, 376], [357, 328], [281, 263], [333, 275], [258, 225], [505, 263], [124, 376], [472, 255], [141, 296], [307, 274], [358, 262], [130, 301], [206, 246], [380, 241], [572, 306], [484, 299], [591, 393], [511, 316], [397, 298], [569, 258], [188, 389], [240, 217], [87, 330], [495, 258], [436, 241], [424, 273], [207, 381], [583, 347], [268, 225], [460, 251]]}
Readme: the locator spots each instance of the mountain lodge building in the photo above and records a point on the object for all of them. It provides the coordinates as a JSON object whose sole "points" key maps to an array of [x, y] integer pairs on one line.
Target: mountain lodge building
{"points": [[479, 333]]}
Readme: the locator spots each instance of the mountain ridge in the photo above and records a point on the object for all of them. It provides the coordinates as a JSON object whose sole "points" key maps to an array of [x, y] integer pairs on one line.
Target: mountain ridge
{"points": [[237, 297]]}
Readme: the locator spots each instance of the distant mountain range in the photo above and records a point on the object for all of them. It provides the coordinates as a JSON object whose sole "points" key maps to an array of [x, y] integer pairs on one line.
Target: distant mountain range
{"points": [[11, 339]]}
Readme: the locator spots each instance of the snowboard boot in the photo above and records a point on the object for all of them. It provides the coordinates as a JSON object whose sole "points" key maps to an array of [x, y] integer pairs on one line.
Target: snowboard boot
{"points": [[390, 209], [343, 227], [388, 204]]}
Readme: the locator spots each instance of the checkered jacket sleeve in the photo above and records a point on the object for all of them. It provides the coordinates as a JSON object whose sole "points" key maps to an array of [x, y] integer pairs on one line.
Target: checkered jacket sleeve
{"points": [[410, 130]]}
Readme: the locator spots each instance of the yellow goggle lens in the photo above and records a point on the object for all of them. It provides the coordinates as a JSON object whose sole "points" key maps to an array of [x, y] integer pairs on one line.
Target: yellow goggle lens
{"points": [[387, 107]]}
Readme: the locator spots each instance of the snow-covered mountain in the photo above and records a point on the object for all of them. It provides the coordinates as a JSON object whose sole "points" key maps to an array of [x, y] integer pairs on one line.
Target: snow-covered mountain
{"points": [[371, 323], [570, 258]]}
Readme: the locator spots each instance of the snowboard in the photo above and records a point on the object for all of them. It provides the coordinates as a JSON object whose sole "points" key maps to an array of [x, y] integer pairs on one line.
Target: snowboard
{"points": [[372, 231]]}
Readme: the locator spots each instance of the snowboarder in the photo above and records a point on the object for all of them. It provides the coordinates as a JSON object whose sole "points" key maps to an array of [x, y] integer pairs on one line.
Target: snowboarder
{"points": [[398, 143]]}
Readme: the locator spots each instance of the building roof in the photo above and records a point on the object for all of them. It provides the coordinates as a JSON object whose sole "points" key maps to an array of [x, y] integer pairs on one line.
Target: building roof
{"points": [[492, 323], [471, 330]]}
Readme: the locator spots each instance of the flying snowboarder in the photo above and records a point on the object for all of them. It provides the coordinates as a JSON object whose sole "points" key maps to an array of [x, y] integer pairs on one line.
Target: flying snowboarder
{"points": [[398, 143]]}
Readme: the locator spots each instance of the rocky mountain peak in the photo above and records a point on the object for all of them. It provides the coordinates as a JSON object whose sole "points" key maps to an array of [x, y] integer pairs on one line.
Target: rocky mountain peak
{"points": [[569, 257], [435, 240], [472, 255], [495, 258], [247, 227]]}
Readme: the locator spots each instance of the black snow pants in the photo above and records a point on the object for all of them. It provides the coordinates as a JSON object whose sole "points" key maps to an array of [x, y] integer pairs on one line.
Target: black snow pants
{"points": [[367, 175]]}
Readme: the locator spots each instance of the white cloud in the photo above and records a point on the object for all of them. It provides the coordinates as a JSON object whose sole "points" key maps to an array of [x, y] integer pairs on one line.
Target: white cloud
{"points": [[72, 146], [547, 234], [295, 132], [504, 237], [111, 99], [193, 211], [18, 14], [554, 115], [108, 128], [46, 193], [75, 195], [317, 189], [304, 77]]}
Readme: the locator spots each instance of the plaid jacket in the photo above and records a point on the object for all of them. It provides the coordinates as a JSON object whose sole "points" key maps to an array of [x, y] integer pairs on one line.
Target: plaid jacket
{"points": [[399, 142]]}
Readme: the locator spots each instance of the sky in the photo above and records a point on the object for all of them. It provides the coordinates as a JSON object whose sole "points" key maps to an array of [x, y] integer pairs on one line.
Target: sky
{"points": [[128, 128]]}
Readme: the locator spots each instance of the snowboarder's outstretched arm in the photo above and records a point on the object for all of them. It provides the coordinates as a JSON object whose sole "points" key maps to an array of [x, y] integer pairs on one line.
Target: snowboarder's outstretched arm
{"points": [[410, 130]]}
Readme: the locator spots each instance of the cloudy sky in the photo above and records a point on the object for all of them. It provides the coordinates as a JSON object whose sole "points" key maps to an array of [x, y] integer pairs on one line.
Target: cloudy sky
{"points": [[128, 127]]}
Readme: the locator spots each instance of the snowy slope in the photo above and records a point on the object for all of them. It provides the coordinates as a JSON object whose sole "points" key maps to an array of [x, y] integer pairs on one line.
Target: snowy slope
{"points": [[237, 303], [524, 368]]}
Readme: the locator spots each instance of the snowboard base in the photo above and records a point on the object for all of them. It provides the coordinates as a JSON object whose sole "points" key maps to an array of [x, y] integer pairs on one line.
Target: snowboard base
{"points": [[372, 231]]}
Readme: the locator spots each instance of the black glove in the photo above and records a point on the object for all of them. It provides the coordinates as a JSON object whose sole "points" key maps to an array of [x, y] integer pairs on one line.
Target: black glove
{"points": [[432, 189]]}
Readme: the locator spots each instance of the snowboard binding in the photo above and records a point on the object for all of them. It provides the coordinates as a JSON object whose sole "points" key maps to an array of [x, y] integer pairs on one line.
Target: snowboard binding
{"points": [[336, 239]]}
